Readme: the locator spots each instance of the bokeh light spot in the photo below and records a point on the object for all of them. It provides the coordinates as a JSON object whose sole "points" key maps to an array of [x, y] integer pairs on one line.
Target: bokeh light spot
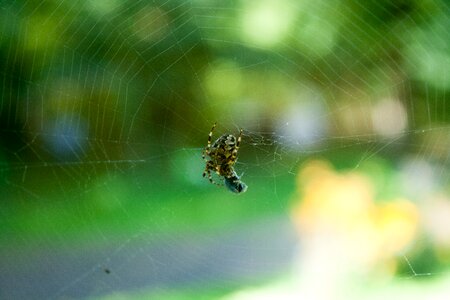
{"points": [[266, 23]]}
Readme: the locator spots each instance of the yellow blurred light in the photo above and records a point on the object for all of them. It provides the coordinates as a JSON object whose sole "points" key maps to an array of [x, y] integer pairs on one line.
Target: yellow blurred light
{"points": [[266, 23], [338, 212], [338, 201], [396, 223]]}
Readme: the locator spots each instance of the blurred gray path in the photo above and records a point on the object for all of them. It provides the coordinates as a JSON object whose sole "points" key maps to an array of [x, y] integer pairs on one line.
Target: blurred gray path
{"points": [[257, 250]]}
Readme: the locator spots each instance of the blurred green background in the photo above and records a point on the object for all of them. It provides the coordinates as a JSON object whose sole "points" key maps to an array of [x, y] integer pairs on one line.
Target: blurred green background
{"points": [[105, 107]]}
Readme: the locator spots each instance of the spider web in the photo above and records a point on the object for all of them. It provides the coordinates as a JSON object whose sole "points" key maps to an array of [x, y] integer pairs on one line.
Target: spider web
{"points": [[106, 106]]}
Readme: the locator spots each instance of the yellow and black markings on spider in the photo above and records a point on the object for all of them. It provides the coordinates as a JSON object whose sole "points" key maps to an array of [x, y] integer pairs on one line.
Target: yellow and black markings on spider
{"points": [[222, 155]]}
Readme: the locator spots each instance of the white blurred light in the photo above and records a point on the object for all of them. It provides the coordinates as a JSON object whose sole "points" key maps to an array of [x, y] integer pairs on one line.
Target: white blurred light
{"points": [[417, 178], [266, 22], [389, 117], [436, 215], [303, 124]]}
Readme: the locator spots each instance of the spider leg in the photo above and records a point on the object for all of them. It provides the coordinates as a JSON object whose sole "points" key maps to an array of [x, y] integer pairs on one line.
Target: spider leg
{"points": [[204, 153], [210, 136], [208, 169], [236, 148], [208, 147], [238, 142]]}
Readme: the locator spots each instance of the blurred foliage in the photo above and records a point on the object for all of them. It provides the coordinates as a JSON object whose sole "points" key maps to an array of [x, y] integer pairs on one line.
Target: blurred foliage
{"points": [[139, 65], [105, 106]]}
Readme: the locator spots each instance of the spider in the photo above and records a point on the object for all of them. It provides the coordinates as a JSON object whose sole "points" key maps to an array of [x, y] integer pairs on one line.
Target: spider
{"points": [[222, 156]]}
